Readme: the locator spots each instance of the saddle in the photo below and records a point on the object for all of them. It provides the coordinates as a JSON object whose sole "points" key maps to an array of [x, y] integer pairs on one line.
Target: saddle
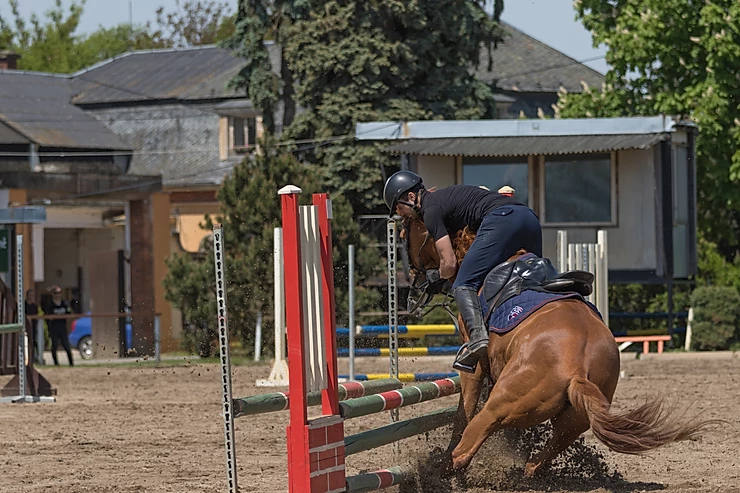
{"points": [[510, 278]]}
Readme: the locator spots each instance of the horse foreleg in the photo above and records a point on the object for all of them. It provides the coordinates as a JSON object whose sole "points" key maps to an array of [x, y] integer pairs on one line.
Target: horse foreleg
{"points": [[471, 385], [566, 428]]}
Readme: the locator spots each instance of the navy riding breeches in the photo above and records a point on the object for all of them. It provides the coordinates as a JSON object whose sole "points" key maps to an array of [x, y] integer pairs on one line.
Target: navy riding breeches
{"points": [[503, 231]]}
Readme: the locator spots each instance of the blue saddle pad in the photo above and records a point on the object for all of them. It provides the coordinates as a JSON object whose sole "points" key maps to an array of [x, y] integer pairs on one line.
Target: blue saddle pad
{"points": [[516, 309]]}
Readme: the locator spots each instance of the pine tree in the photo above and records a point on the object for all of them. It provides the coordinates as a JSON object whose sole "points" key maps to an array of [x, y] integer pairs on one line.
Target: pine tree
{"points": [[346, 62]]}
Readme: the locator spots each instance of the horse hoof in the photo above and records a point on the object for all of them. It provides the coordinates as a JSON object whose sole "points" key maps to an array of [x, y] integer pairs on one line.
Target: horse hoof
{"points": [[460, 463], [530, 470]]}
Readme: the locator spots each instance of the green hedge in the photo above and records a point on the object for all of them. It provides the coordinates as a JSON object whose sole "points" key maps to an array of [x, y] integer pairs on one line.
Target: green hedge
{"points": [[716, 317]]}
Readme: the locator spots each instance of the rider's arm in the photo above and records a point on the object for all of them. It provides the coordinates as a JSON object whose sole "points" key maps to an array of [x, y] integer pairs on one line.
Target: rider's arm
{"points": [[447, 258], [435, 224]]}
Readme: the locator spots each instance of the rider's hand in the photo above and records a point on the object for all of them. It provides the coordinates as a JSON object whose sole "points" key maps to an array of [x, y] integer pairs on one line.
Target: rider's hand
{"points": [[433, 276], [435, 282]]}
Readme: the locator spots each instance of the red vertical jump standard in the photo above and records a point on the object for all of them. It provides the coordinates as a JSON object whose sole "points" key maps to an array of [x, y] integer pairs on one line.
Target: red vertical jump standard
{"points": [[299, 474], [315, 447], [330, 398]]}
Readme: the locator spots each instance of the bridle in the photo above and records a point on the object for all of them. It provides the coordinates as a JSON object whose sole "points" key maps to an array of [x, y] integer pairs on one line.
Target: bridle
{"points": [[416, 305]]}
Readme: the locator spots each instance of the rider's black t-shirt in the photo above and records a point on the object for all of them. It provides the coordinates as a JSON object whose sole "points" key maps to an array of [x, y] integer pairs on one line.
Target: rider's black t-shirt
{"points": [[448, 210]]}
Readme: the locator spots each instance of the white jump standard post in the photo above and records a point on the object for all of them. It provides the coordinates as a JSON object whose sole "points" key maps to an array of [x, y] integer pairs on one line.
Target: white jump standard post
{"points": [[223, 337], [279, 373], [591, 257]]}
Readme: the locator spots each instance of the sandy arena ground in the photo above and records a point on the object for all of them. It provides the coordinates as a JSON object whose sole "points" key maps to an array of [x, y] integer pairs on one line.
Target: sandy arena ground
{"points": [[145, 429]]}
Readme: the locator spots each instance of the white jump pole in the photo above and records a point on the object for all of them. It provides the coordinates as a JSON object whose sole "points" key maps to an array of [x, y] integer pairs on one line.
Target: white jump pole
{"points": [[258, 337], [687, 344], [279, 374], [351, 324]]}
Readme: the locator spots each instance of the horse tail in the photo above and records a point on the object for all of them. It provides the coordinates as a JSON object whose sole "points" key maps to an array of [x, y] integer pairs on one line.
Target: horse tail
{"points": [[645, 428]]}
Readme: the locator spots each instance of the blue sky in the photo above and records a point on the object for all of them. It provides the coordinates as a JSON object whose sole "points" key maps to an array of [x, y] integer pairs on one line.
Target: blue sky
{"points": [[550, 21]]}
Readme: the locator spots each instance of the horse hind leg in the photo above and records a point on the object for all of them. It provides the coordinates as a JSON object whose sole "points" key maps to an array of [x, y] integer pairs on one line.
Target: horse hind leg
{"points": [[566, 428], [506, 407]]}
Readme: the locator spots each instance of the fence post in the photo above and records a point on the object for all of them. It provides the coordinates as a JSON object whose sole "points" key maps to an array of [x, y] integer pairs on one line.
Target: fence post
{"points": [[322, 201], [690, 319], [393, 316], [562, 251], [602, 279]]}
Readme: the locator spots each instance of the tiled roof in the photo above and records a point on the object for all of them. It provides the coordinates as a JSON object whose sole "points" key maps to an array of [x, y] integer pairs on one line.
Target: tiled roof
{"points": [[38, 107], [160, 75], [523, 64]]}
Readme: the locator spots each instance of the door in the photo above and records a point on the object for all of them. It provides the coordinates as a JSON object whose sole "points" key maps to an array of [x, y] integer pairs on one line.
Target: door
{"points": [[104, 280]]}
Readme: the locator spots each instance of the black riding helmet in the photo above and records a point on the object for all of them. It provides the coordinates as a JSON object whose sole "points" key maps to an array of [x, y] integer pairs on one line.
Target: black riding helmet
{"points": [[399, 184]]}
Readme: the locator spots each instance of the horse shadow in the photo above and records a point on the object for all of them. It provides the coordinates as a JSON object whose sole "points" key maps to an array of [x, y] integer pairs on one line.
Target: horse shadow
{"points": [[500, 467]]}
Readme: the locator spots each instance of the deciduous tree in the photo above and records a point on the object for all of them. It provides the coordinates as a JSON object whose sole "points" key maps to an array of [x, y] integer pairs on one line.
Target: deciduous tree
{"points": [[676, 57]]}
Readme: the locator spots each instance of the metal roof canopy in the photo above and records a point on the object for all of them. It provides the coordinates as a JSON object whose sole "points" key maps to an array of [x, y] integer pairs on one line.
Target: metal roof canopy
{"points": [[525, 146], [23, 215], [441, 129]]}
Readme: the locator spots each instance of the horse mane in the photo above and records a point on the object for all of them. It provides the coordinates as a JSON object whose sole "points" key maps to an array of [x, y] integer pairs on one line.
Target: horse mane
{"points": [[462, 241]]}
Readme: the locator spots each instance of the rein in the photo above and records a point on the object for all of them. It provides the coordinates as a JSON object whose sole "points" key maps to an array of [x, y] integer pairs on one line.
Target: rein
{"points": [[423, 301]]}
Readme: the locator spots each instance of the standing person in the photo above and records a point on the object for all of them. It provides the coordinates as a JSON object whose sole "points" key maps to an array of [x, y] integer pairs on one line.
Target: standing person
{"points": [[58, 327], [502, 227], [37, 326]]}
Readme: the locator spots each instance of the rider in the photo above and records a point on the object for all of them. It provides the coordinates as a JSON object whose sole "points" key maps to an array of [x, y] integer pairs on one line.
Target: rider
{"points": [[502, 224]]}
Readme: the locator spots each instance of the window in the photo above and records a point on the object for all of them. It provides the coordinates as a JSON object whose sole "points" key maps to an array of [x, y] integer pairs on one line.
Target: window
{"points": [[242, 135], [579, 190], [238, 135], [494, 175]]}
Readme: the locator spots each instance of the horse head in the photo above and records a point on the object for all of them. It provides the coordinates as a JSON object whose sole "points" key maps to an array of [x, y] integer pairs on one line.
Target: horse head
{"points": [[422, 253]]}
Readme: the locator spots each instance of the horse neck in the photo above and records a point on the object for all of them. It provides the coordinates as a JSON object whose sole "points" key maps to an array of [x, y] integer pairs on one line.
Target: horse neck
{"points": [[419, 235]]}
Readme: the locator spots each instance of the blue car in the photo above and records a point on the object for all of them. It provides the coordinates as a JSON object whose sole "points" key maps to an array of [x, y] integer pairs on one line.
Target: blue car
{"points": [[80, 336]]}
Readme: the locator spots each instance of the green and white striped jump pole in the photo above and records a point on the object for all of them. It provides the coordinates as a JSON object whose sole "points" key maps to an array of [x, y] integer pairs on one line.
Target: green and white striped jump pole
{"points": [[279, 401], [394, 432]]}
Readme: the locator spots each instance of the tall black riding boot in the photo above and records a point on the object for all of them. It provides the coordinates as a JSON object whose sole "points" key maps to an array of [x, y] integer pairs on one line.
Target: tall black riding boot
{"points": [[472, 314]]}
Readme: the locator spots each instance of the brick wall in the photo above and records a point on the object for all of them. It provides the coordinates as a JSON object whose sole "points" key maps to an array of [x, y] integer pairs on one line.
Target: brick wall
{"points": [[326, 454], [142, 276]]}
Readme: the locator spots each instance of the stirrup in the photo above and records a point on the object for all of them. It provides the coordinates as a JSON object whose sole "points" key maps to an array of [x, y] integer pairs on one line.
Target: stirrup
{"points": [[467, 360], [465, 368]]}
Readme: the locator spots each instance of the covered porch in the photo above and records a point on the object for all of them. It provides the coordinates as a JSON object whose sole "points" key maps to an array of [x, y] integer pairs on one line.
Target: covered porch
{"points": [[103, 243]]}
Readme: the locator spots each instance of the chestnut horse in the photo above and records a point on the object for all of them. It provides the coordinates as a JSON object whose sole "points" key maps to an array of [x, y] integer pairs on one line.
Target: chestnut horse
{"points": [[561, 363]]}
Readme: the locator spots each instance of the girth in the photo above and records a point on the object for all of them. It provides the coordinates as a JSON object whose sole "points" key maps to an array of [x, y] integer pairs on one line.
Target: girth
{"points": [[531, 272]]}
